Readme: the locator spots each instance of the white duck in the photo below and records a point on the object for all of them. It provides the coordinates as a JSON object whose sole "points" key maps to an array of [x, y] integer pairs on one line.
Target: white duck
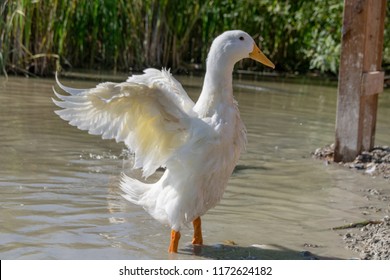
{"points": [[198, 144]]}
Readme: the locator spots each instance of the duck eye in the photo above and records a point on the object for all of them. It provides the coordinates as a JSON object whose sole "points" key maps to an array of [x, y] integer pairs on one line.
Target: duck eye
{"points": [[241, 38]]}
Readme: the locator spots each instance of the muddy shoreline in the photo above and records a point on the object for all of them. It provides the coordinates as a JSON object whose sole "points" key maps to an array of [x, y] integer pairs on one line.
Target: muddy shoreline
{"points": [[370, 238]]}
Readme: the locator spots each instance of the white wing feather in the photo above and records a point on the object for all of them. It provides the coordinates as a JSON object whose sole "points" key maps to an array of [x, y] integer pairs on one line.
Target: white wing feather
{"points": [[150, 113]]}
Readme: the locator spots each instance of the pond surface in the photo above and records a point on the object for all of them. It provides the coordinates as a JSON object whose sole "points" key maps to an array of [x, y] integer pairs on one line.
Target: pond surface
{"points": [[59, 194]]}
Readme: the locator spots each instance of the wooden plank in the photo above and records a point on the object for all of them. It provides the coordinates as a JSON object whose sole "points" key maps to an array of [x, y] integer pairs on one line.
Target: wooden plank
{"points": [[376, 11], [374, 29], [359, 85], [372, 83], [351, 66], [368, 121]]}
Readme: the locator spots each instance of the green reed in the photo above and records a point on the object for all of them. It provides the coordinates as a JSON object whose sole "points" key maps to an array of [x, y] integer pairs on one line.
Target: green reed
{"points": [[38, 37]]}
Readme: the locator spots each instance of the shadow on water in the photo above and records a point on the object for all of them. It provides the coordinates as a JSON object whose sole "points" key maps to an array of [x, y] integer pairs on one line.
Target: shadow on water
{"points": [[255, 252], [241, 167]]}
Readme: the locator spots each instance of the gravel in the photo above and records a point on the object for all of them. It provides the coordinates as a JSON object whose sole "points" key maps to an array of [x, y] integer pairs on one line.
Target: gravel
{"points": [[372, 242]]}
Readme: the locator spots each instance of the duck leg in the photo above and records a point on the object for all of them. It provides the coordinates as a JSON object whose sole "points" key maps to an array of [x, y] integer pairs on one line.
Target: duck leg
{"points": [[175, 237], [197, 240]]}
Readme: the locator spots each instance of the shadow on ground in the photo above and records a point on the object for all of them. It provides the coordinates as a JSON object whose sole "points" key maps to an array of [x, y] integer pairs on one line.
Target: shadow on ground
{"points": [[255, 252]]}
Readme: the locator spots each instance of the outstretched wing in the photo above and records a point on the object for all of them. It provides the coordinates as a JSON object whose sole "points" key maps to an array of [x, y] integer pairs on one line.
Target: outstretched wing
{"points": [[150, 113]]}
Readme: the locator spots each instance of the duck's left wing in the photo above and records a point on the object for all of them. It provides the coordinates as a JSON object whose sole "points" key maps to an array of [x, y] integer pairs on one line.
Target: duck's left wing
{"points": [[150, 113]]}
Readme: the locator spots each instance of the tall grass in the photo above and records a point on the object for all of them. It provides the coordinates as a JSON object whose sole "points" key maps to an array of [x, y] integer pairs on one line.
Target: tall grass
{"points": [[26, 43], [38, 37]]}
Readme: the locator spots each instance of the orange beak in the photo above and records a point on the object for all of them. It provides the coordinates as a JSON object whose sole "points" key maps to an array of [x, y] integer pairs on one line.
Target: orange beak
{"points": [[258, 55]]}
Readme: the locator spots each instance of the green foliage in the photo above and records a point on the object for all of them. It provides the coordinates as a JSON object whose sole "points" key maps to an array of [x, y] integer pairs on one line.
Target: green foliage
{"points": [[39, 36]]}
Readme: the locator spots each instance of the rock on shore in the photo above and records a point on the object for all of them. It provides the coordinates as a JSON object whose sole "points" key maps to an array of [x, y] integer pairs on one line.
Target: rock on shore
{"points": [[375, 162]]}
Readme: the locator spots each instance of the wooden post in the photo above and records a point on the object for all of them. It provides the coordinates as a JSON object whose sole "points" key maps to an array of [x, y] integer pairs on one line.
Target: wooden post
{"points": [[360, 77]]}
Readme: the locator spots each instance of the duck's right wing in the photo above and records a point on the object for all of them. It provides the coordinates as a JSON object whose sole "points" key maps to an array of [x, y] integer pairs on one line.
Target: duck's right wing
{"points": [[150, 113]]}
